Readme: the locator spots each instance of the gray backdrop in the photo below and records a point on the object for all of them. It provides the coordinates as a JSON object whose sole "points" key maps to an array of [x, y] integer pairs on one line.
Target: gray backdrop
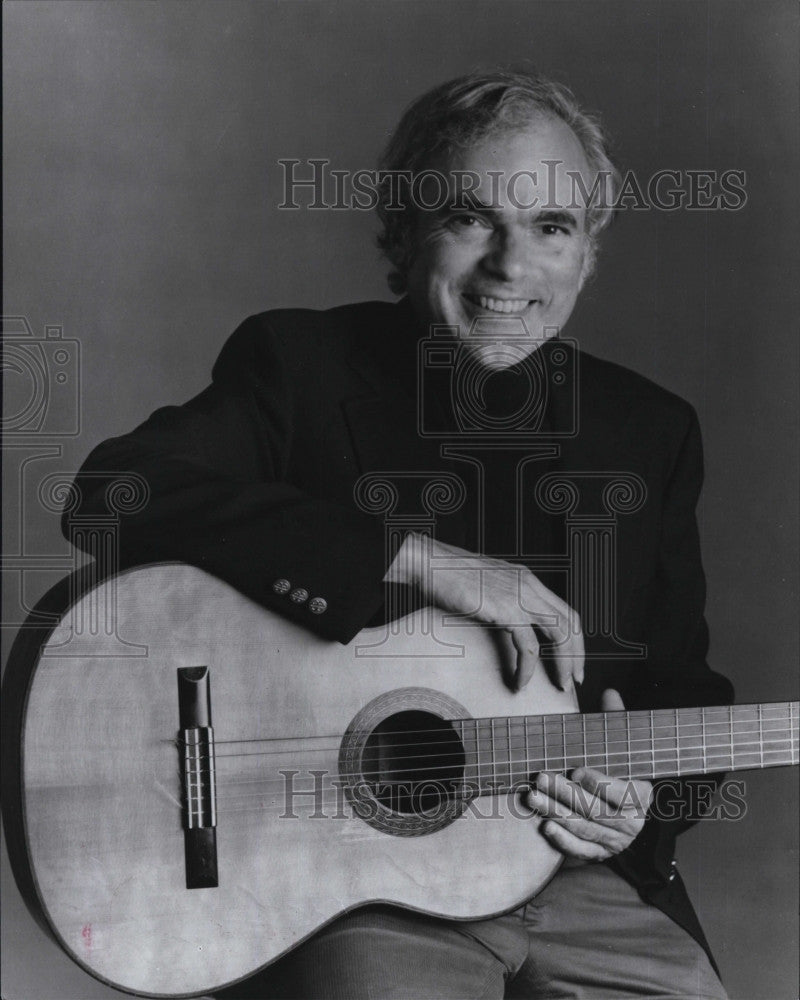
{"points": [[141, 193]]}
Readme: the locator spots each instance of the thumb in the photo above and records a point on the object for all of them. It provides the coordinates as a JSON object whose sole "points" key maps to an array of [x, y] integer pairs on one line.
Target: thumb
{"points": [[611, 701]]}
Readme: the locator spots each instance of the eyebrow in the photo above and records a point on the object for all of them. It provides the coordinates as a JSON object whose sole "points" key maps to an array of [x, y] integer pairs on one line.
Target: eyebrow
{"points": [[470, 202]]}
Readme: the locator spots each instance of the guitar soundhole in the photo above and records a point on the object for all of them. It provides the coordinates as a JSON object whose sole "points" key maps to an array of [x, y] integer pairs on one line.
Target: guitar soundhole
{"points": [[413, 763], [402, 764]]}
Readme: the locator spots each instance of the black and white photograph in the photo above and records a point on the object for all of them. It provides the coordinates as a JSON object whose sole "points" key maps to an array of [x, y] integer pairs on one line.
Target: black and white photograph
{"points": [[400, 556]]}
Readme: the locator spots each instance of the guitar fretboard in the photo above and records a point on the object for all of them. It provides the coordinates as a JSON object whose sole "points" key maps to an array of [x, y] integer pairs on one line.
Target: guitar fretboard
{"points": [[503, 752]]}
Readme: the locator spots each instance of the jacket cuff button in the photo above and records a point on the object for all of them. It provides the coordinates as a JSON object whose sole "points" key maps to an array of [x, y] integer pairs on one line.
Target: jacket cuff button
{"points": [[281, 586], [299, 595], [317, 605]]}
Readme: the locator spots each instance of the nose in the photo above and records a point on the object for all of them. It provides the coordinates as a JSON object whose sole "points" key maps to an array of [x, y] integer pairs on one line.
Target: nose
{"points": [[509, 257]]}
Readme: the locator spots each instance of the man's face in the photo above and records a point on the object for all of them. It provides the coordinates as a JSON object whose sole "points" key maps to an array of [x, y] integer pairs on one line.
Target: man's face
{"points": [[497, 260]]}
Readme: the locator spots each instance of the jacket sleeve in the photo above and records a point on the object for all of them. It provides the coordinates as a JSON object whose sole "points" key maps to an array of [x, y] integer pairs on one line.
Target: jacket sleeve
{"points": [[215, 474], [677, 674]]}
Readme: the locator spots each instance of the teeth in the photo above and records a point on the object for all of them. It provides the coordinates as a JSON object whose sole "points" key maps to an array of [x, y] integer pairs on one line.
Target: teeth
{"points": [[502, 305]]}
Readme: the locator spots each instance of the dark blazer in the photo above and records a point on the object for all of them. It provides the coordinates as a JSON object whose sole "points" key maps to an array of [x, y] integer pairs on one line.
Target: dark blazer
{"points": [[253, 481]]}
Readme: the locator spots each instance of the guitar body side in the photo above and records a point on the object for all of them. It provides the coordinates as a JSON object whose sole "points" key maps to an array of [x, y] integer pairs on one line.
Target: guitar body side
{"points": [[101, 784]]}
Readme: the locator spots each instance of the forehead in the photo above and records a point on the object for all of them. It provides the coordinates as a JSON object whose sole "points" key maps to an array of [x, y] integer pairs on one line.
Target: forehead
{"points": [[513, 166]]}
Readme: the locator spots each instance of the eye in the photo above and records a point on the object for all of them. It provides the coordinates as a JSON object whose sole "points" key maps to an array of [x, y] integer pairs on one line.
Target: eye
{"points": [[467, 220], [552, 229]]}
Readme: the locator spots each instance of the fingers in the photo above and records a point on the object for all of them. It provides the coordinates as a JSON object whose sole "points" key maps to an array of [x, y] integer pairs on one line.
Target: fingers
{"points": [[625, 794], [527, 649], [592, 793], [561, 624], [498, 593], [597, 816], [572, 846], [611, 701], [552, 616]]}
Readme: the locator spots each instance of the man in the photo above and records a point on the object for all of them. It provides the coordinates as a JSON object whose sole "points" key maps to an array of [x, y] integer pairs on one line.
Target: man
{"points": [[253, 480]]}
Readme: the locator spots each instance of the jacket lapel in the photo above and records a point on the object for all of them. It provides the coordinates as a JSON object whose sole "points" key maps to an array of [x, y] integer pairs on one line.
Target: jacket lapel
{"points": [[384, 421]]}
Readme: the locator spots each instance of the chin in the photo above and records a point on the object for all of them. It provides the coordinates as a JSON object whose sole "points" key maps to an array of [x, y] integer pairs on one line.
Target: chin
{"points": [[501, 354]]}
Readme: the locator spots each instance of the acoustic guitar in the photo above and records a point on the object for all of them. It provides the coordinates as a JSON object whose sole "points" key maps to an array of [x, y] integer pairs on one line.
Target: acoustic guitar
{"points": [[194, 784]]}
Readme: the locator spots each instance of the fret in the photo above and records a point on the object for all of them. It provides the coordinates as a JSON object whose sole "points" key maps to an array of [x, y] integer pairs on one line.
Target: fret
{"points": [[493, 763], [730, 725], [521, 747], [509, 735], [648, 744], [510, 753], [677, 741], [715, 739], [544, 743], [532, 752], [641, 766], [574, 741], [554, 742], [595, 748], [472, 774], [628, 743], [652, 746], [619, 724], [703, 724], [748, 750], [484, 750], [585, 746], [477, 736], [527, 750], [665, 757], [691, 740], [500, 752]]}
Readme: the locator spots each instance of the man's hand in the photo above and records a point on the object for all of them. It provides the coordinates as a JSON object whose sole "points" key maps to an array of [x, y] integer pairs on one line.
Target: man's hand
{"points": [[498, 593], [591, 817]]}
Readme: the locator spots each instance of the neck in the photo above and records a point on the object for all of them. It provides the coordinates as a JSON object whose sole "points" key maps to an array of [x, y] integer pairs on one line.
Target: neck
{"points": [[502, 753]]}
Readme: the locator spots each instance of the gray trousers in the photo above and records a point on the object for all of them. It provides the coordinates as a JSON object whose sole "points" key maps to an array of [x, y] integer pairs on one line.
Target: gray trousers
{"points": [[586, 935]]}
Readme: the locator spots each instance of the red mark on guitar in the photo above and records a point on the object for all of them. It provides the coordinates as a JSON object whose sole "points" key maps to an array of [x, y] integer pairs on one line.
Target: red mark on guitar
{"points": [[86, 934]]}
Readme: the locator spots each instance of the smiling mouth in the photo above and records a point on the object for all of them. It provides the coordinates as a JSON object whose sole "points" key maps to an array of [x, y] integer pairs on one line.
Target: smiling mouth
{"points": [[506, 306]]}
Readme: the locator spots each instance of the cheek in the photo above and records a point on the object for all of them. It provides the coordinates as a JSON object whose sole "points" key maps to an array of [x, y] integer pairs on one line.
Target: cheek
{"points": [[571, 272], [439, 264]]}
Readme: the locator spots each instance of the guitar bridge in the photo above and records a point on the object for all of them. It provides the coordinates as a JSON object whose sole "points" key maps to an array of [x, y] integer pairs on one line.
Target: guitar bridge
{"points": [[198, 773], [200, 800]]}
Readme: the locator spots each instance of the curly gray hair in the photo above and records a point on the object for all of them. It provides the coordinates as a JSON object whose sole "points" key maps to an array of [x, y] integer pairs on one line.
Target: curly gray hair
{"points": [[461, 112]]}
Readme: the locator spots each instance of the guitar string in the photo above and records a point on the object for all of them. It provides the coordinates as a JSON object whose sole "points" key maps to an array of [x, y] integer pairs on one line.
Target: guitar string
{"points": [[493, 781], [634, 715], [544, 738], [712, 761], [490, 783], [662, 754], [673, 728], [569, 760], [493, 784], [666, 755], [769, 746]]}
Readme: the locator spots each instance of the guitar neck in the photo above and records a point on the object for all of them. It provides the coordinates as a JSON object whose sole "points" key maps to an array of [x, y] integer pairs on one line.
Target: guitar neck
{"points": [[662, 743]]}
